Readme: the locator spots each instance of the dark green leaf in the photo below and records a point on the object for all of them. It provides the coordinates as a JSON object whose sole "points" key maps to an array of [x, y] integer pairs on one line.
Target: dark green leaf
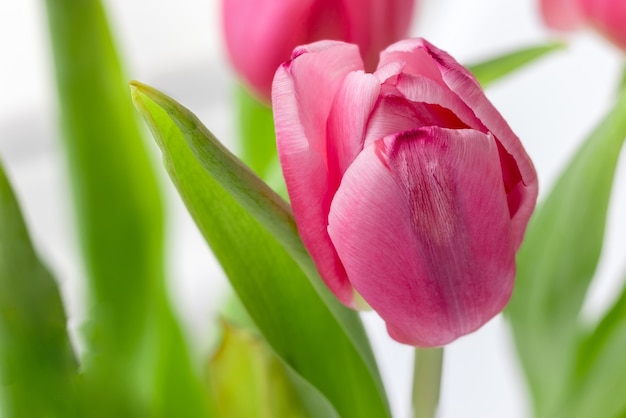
{"points": [[558, 259], [38, 371], [135, 346], [250, 229], [494, 69]]}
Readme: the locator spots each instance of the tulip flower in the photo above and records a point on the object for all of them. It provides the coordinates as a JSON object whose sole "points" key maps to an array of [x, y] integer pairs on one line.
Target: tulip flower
{"points": [[260, 34], [409, 189], [608, 17]]}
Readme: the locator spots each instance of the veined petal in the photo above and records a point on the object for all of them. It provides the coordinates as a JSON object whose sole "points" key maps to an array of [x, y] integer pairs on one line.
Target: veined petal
{"points": [[301, 110], [422, 89], [426, 60], [412, 53], [519, 174], [348, 120], [395, 114], [317, 71], [421, 224]]}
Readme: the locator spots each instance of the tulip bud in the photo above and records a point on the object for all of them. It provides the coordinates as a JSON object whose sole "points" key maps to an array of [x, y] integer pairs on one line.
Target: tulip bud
{"points": [[408, 187], [608, 17], [260, 34]]}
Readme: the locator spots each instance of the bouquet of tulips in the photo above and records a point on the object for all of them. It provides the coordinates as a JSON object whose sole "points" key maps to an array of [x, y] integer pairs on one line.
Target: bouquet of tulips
{"points": [[374, 174]]}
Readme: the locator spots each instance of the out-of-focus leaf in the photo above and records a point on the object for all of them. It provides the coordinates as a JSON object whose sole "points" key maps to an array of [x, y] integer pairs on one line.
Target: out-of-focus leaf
{"points": [[558, 258], [597, 385], [256, 130], [258, 140], [320, 340], [38, 370], [134, 345], [248, 380], [496, 68], [235, 313]]}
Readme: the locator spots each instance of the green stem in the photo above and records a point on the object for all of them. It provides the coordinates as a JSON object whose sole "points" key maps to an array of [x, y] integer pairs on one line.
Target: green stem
{"points": [[426, 381]]}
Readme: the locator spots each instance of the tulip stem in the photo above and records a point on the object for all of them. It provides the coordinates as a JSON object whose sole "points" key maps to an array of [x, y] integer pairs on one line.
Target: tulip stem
{"points": [[426, 381]]}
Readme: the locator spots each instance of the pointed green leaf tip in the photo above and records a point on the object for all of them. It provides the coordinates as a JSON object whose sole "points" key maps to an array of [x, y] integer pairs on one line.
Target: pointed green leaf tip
{"points": [[252, 233]]}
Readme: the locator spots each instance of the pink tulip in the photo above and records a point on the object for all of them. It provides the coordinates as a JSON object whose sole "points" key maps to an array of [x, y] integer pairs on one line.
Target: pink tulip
{"points": [[260, 34], [562, 14], [409, 189], [608, 17]]}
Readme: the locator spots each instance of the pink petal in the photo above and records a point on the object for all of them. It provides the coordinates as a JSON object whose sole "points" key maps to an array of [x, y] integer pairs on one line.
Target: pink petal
{"points": [[519, 173], [301, 110], [412, 53], [374, 24], [347, 121], [421, 89], [562, 14], [257, 44], [421, 225], [395, 114], [316, 73], [608, 17]]}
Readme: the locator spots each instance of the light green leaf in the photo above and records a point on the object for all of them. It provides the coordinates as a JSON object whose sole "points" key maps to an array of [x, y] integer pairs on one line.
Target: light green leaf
{"points": [[256, 131], [248, 380], [250, 230], [598, 382], [134, 344], [558, 258], [494, 69], [38, 371]]}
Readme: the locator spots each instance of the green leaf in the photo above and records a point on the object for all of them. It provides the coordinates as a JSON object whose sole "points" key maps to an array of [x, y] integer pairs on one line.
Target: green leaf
{"points": [[38, 370], [496, 68], [597, 386], [135, 345], [252, 233], [249, 380], [558, 258]]}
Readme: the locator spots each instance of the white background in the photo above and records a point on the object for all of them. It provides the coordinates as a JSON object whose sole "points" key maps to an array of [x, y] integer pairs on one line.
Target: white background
{"points": [[177, 47]]}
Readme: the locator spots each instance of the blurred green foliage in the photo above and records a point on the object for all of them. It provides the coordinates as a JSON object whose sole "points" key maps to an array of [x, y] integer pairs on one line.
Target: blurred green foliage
{"points": [[492, 70], [38, 371], [556, 265]]}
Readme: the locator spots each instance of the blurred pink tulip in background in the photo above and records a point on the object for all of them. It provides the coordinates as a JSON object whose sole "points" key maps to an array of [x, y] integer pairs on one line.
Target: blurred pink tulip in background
{"points": [[260, 34], [409, 189], [608, 17]]}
